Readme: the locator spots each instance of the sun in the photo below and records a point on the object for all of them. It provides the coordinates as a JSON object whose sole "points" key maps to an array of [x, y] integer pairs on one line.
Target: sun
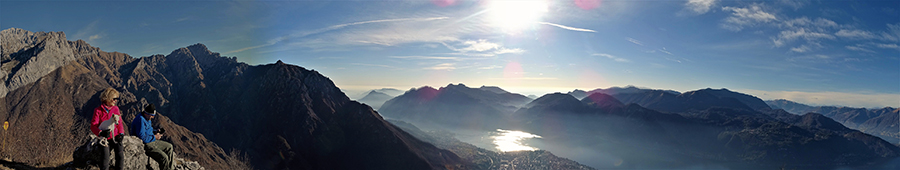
{"points": [[512, 16]]}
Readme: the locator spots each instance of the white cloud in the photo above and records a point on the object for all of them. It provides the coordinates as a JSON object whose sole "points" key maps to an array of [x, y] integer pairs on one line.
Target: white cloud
{"points": [[611, 57], [375, 65], [490, 67], [666, 51], [743, 17], [526, 78], [443, 66], [801, 49], [888, 46], [404, 31], [854, 34], [791, 35], [482, 48], [859, 48], [567, 27], [892, 33], [632, 40], [867, 100], [804, 22], [94, 37], [428, 57], [699, 6], [479, 46]]}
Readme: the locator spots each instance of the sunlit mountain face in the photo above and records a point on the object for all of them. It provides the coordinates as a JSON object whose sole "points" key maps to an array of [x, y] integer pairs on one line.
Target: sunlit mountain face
{"points": [[562, 84]]}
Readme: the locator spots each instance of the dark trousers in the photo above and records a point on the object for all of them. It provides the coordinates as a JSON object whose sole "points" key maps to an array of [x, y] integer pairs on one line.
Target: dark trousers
{"points": [[116, 143]]}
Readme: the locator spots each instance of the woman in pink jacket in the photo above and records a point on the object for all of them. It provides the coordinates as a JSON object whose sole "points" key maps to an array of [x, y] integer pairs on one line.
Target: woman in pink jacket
{"points": [[106, 111]]}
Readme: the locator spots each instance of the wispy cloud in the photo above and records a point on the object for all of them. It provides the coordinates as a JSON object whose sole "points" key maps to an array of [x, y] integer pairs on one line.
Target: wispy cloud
{"points": [[383, 40], [525, 78], [868, 100], [183, 19], [666, 51], [375, 65], [90, 32], [428, 57], [854, 34], [567, 27], [442, 66], [887, 46], [611, 57], [632, 40], [749, 16], [490, 67], [860, 48], [801, 33], [481, 48], [699, 6]]}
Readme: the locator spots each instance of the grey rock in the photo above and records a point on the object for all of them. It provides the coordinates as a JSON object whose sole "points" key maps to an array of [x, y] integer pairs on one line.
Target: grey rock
{"points": [[90, 155], [27, 56]]}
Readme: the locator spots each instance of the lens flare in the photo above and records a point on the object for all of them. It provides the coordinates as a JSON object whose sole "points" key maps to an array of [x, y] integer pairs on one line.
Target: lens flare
{"points": [[514, 16]]}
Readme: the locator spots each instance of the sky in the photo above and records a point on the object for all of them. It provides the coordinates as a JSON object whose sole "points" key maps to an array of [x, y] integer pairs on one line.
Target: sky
{"points": [[830, 52]]}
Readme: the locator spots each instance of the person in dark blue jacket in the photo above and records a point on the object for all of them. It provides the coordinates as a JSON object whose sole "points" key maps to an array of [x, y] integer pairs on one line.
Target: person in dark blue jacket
{"points": [[159, 150]]}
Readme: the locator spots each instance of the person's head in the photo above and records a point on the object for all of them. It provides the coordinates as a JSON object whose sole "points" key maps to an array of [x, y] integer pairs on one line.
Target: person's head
{"points": [[150, 112], [109, 97]]}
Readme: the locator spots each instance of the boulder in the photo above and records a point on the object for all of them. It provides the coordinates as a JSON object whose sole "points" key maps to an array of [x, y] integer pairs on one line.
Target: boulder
{"points": [[91, 152]]}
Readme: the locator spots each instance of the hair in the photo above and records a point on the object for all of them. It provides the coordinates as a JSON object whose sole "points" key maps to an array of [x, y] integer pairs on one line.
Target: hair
{"points": [[108, 95]]}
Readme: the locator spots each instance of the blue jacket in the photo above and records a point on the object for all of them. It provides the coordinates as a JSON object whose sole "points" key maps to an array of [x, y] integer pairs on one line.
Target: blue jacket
{"points": [[141, 128]]}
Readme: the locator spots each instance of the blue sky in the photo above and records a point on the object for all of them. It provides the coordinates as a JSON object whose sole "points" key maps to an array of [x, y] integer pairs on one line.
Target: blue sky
{"points": [[814, 52]]}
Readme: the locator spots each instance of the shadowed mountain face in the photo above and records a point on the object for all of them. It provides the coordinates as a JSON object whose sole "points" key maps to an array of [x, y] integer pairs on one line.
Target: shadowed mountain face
{"points": [[454, 105], [884, 122], [282, 116]]}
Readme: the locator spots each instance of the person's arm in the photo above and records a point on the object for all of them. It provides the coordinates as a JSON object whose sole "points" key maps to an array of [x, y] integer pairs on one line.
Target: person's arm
{"points": [[95, 122]]}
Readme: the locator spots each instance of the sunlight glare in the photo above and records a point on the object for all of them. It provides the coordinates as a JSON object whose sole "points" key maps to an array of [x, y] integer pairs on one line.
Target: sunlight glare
{"points": [[511, 140], [514, 16]]}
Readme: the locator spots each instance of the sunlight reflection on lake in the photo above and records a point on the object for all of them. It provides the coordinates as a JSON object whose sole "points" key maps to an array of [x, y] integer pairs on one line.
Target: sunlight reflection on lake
{"points": [[511, 140]]}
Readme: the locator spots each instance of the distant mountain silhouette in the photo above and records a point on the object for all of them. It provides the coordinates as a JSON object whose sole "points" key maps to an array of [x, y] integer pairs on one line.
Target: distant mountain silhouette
{"points": [[578, 94], [282, 116], [693, 100], [494, 89], [453, 105], [884, 122], [375, 99]]}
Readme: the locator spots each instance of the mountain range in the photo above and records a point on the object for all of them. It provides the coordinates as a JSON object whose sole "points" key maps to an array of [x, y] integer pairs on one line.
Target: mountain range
{"points": [[884, 122], [281, 116], [659, 129], [454, 106]]}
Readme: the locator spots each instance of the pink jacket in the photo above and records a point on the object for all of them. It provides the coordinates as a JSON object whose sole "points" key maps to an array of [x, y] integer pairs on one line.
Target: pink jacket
{"points": [[100, 115]]}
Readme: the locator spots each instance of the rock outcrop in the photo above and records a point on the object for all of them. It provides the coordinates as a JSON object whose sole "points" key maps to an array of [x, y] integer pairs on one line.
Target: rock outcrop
{"points": [[90, 155]]}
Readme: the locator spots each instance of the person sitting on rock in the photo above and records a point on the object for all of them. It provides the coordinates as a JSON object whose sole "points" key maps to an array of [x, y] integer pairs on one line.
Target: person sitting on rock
{"points": [[159, 150], [107, 123]]}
